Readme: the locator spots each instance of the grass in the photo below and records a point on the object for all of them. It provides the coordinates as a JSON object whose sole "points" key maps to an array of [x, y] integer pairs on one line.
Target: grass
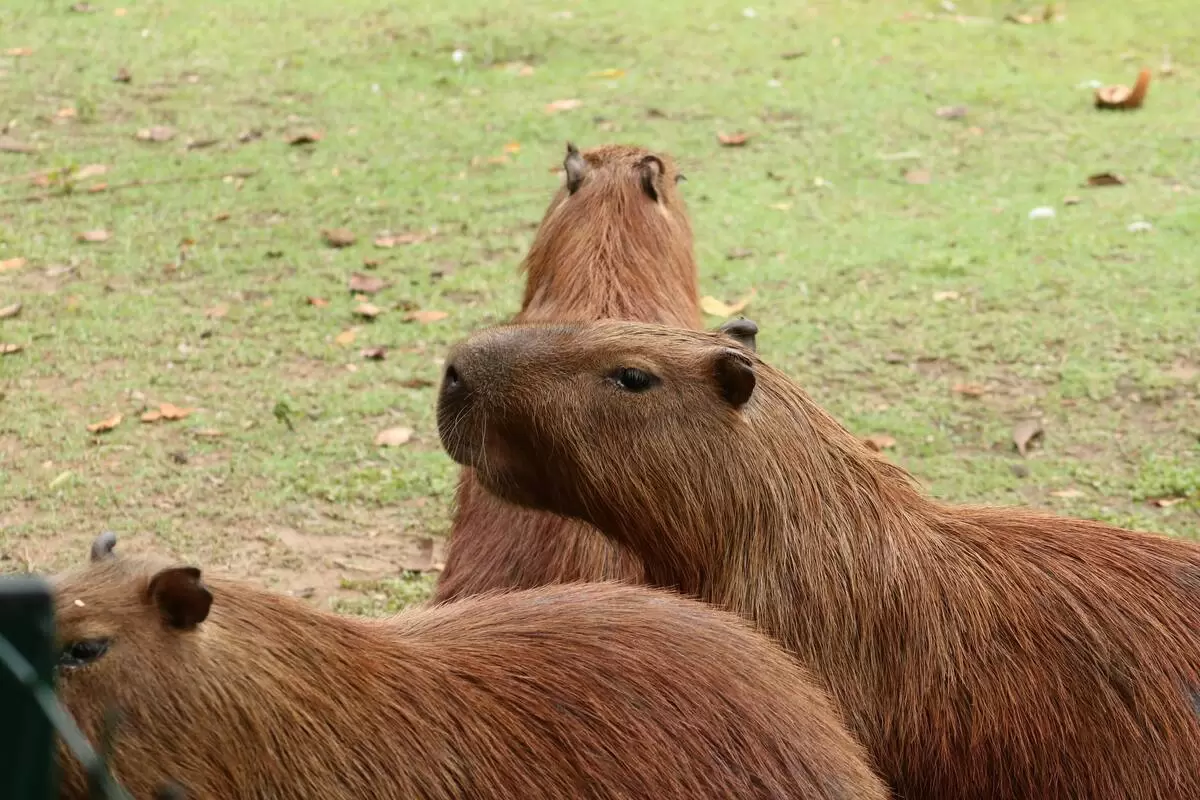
{"points": [[879, 294]]}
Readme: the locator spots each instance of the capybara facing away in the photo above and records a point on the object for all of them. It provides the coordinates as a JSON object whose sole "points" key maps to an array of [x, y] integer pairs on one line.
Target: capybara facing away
{"points": [[977, 652], [615, 242], [599, 691]]}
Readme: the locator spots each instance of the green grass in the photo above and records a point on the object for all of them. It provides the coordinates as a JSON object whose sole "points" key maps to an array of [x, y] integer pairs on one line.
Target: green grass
{"points": [[1074, 319]]}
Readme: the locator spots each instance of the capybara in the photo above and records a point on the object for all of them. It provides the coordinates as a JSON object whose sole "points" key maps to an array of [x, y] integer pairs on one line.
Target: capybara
{"points": [[977, 652], [616, 242], [590, 691]]}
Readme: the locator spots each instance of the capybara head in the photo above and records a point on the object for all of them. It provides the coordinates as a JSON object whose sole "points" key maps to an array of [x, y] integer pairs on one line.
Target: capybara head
{"points": [[613, 423], [614, 243]]}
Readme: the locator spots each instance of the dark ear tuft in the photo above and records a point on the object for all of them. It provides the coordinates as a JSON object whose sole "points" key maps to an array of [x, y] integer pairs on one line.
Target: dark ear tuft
{"points": [[651, 169], [743, 331], [181, 597], [575, 167], [102, 546], [734, 372]]}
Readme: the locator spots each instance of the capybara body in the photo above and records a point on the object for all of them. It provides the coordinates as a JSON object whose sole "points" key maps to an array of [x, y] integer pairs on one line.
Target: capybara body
{"points": [[588, 691], [977, 652], [615, 242]]}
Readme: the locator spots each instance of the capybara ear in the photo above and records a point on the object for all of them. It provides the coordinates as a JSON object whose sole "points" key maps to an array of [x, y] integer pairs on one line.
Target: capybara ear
{"points": [[742, 330], [735, 376], [651, 168], [181, 597], [575, 167], [102, 546]]}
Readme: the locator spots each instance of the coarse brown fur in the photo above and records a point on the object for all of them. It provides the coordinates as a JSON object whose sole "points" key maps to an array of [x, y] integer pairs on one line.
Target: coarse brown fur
{"points": [[979, 652], [598, 691], [616, 242]]}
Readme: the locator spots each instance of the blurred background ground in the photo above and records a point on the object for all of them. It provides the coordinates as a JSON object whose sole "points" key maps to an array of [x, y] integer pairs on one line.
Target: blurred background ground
{"points": [[172, 174]]}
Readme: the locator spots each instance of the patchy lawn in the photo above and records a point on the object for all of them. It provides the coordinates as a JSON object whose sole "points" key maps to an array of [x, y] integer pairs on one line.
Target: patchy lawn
{"points": [[879, 210]]}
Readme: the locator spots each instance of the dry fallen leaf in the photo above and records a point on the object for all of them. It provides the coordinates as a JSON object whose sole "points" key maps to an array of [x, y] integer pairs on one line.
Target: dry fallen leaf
{"points": [[105, 425], [10, 145], [221, 216], [1122, 97], [714, 307], [1025, 433], [918, 176], [95, 237], [377, 353], [156, 133], [319, 302], [10, 349], [563, 105], [18, 51], [367, 284], [1165, 502], [368, 310], [11, 264], [607, 73], [425, 317], [10, 311], [339, 237], [733, 139], [969, 389], [167, 411], [941, 297], [512, 148], [66, 113], [951, 112], [1067, 493], [346, 337], [1105, 179], [879, 441], [217, 311], [393, 437], [305, 137]]}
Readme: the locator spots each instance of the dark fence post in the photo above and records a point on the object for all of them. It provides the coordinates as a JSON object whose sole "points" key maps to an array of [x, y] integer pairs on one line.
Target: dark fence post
{"points": [[27, 739]]}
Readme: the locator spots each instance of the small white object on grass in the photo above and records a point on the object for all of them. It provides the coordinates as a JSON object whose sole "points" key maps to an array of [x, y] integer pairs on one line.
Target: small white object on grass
{"points": [[457, 56], [1141, 226], [749, 13], [1042, 212]]}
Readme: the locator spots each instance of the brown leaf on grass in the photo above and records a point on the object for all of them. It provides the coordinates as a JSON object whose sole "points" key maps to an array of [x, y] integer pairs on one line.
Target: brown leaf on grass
{"points": [[1067, 493], [1025, 433], [1105, 179], [393, 437], [8, 349], [941, 297], [969, 389], [367, 284], [11, 145], [156, 133], [918, 176], [1122, 97], [338, 237], [879, 441], [346, 337], [951, 112], [123, 76], [319, 302], [416, 383], [368, 310], [95, 236], [377, 353], [425, 317], [18, 52], [217, 312], [305, 137], [10, 311], [1165, 502], [389, 240], [733, 139], [66, 113], [105, 425], [563, 105], [716, 308], [167, 411], [11, 263], [221, 216]]}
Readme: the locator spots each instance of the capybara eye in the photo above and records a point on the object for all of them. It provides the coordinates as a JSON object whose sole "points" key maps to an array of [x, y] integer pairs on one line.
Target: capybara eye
{"points": [[83, 652], [634, 380]]}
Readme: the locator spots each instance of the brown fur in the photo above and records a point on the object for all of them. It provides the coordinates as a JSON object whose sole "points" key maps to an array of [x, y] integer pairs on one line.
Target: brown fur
{"points": [[978, 652], [592, 691], [606, 250]]}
